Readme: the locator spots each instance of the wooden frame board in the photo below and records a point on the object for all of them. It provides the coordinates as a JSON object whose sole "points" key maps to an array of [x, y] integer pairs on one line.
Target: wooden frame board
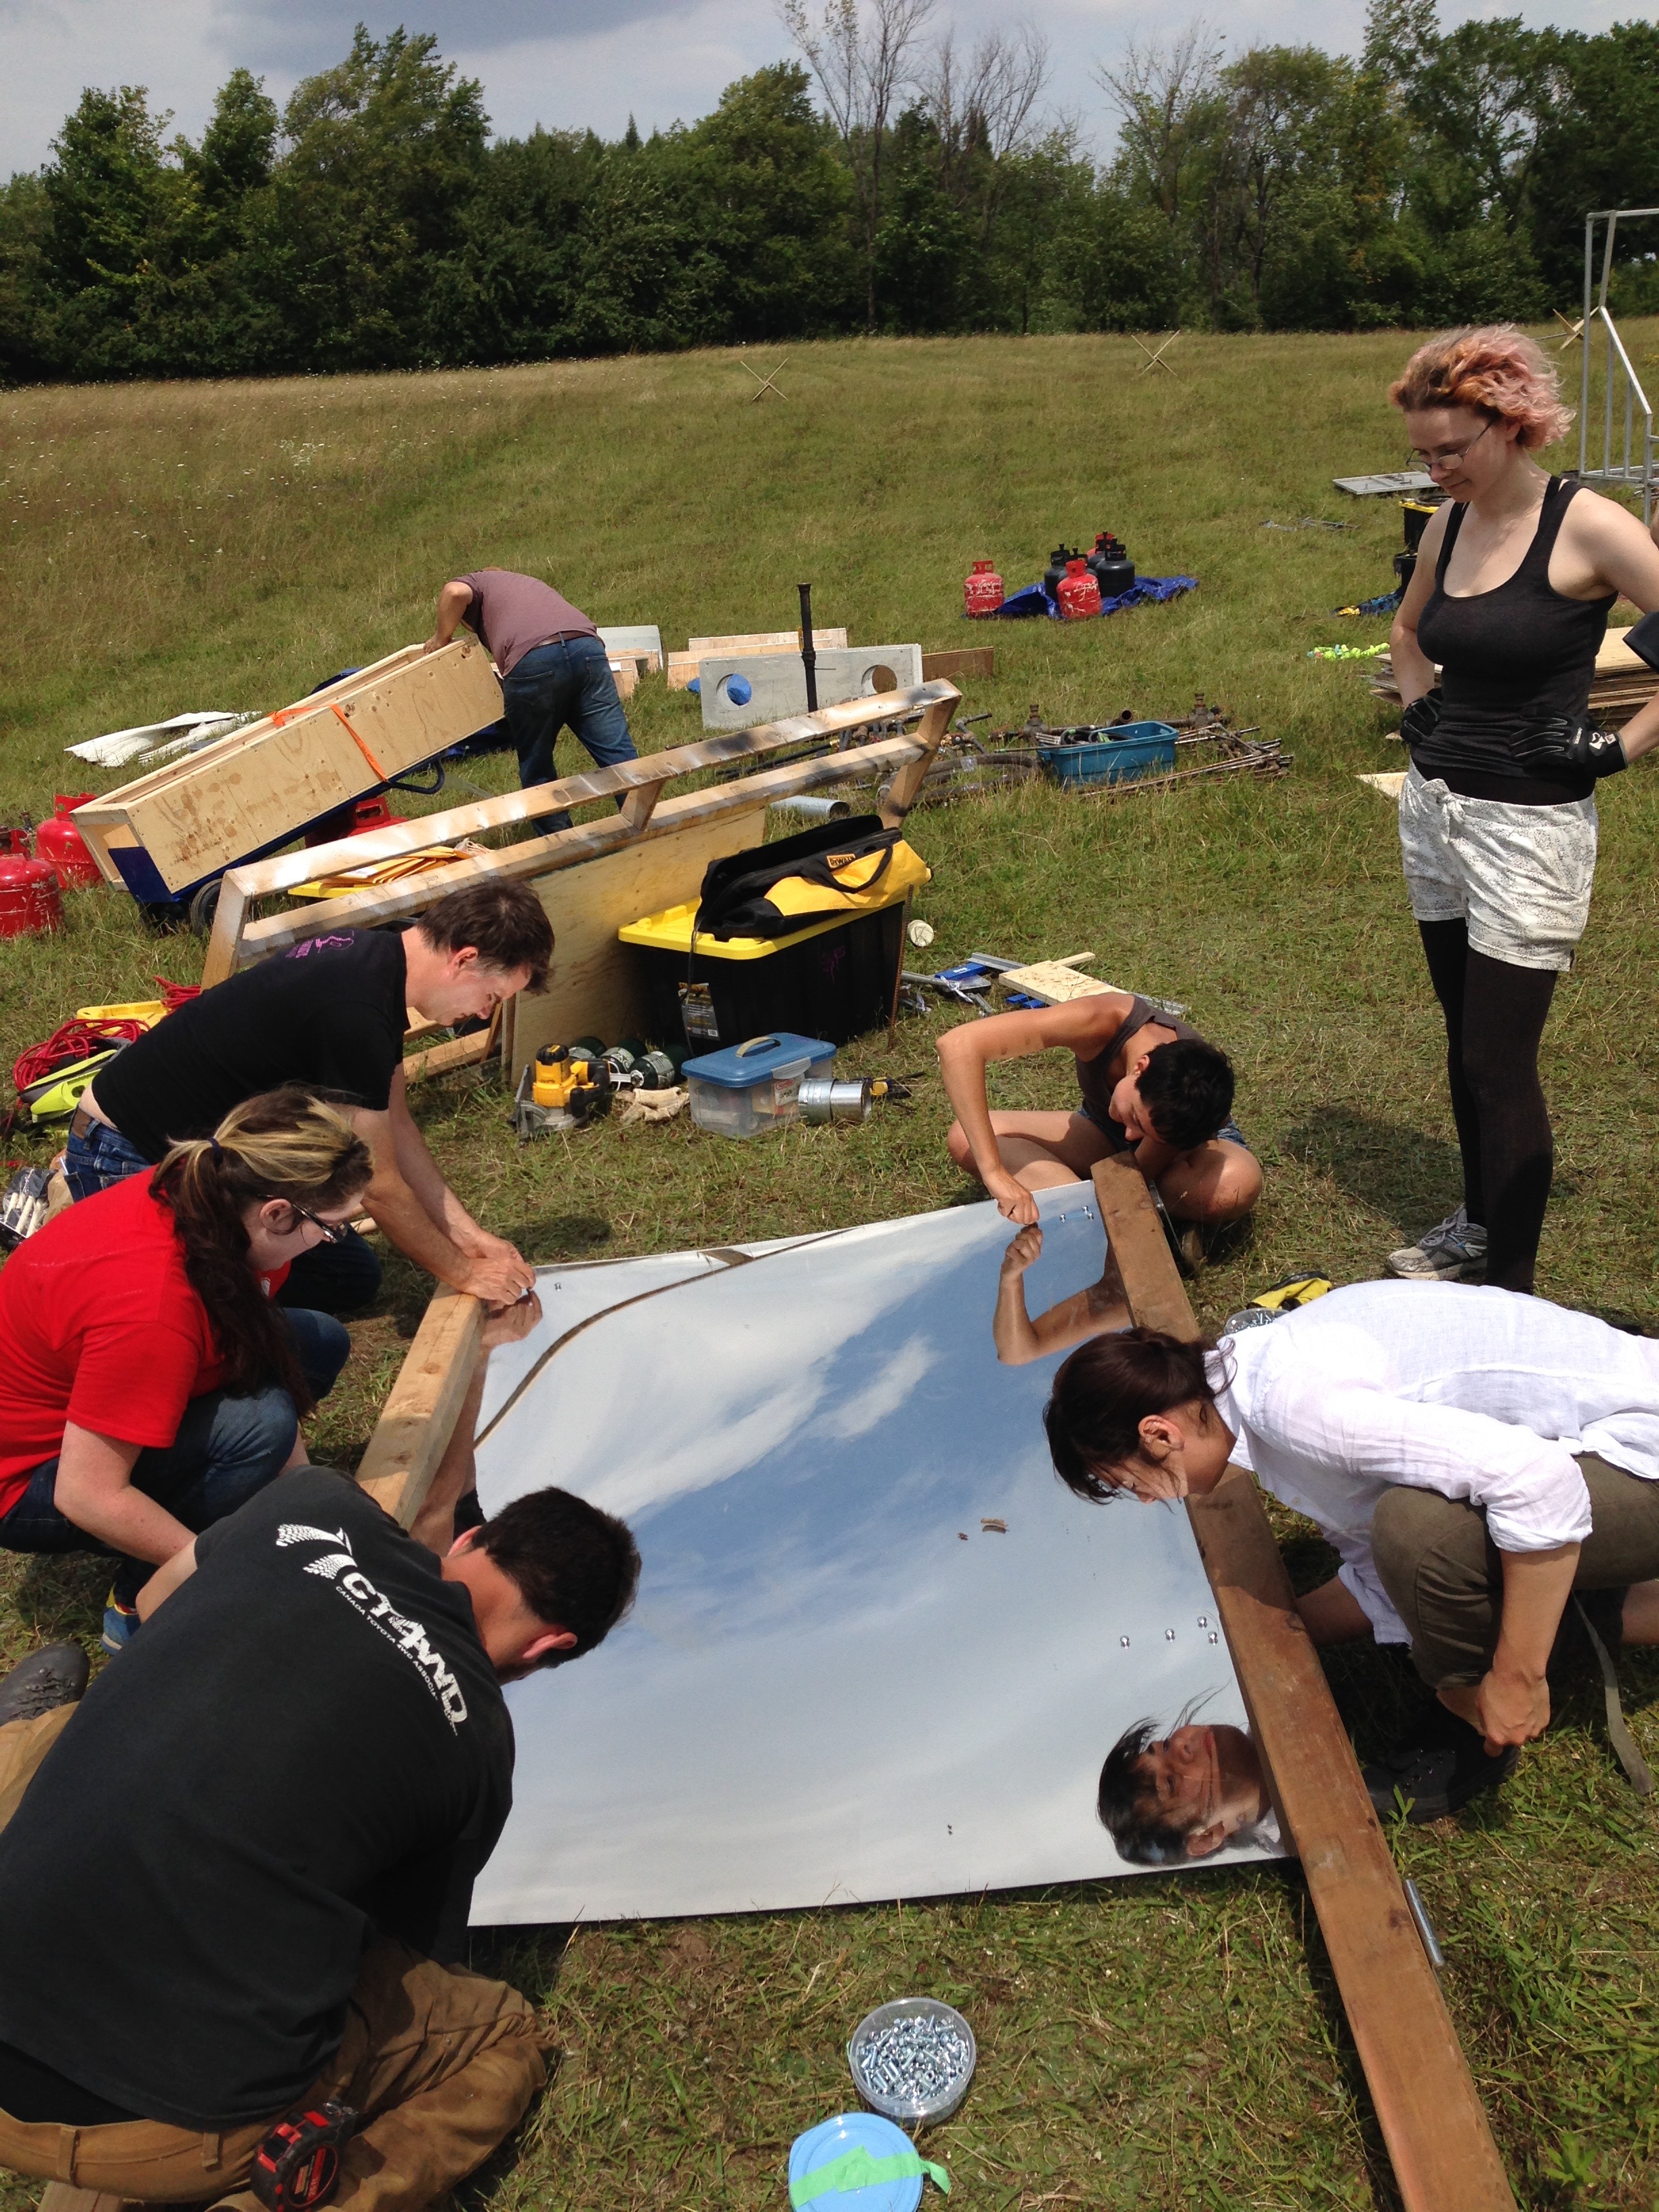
{"points": [[1431, 2119], [682, 666], [644, 813], [1436, 2133], [264, 782]]}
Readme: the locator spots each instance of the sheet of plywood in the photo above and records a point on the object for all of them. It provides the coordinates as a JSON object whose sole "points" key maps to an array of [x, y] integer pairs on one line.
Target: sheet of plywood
{"points": [[205, 812], [1054, 980], [962, 660], [1388, 781], [594, 990]]}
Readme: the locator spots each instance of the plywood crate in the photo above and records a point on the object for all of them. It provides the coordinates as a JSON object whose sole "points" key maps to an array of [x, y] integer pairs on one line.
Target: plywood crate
{"points": [[251, 792]]}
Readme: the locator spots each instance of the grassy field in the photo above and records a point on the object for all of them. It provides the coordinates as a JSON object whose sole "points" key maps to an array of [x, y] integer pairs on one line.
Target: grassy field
{"points": [[1150, 2042]]}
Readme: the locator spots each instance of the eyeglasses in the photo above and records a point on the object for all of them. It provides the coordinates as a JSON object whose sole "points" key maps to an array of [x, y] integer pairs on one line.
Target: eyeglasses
{"points": [[332, 1233], [1448, 457]]}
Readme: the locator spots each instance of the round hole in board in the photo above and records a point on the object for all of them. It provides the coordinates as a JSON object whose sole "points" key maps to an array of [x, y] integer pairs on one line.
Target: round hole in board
{"points": [[736, 689], [878, 678]]}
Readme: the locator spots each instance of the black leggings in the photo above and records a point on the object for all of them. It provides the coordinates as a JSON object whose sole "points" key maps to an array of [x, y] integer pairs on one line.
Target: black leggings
{"points": [[1495, 1016]]}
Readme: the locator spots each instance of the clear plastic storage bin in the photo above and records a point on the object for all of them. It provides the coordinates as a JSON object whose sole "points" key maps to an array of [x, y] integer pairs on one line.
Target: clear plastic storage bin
{"points": [[749, 1088]]}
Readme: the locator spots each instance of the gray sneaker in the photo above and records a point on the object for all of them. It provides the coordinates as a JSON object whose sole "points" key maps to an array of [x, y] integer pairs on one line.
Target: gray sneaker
{"points": [[1455, 1252]]}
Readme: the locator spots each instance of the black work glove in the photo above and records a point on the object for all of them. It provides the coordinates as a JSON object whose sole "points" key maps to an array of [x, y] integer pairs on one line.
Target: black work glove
{"points": [[1418, 721], [1643, 638], [1568, 746]]}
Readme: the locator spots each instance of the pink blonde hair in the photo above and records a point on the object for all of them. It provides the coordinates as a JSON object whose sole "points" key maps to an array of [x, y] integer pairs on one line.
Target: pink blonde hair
{"points": [[1497, 371]]}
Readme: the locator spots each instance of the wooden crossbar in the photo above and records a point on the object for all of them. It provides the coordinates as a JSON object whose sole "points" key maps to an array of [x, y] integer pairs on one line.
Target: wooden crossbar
{"points": [[236, 939], [1432, 2122]]}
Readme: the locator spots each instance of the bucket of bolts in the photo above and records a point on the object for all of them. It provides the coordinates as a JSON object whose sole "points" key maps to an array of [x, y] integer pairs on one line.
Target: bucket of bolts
{"points": [[912, 2060]]}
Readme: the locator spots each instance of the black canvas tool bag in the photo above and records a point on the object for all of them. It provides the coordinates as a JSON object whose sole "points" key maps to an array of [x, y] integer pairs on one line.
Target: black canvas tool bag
{"points": [[852, 866]]}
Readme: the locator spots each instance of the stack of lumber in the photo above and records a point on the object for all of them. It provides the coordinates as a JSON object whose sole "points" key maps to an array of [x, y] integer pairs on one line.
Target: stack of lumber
{"points": [[682, 666], [1624, 684]]}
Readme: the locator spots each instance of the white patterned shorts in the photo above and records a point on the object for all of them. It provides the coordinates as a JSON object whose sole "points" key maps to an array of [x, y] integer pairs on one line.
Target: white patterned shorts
{"points": [[1519, 876]]}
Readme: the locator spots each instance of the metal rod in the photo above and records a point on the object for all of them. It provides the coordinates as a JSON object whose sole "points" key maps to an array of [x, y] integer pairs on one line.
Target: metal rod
{"points": [[1424, 1927], [808, 650], [1584, 348]]}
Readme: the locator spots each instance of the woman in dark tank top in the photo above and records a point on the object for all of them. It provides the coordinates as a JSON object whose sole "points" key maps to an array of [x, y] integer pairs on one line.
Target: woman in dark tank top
{"points": [[1151, 1086], [1514, 582]]}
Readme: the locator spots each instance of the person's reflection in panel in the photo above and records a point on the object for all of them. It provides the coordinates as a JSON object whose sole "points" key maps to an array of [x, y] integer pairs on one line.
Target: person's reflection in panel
{"points": [[1164, 1799], [1094, 1312]]}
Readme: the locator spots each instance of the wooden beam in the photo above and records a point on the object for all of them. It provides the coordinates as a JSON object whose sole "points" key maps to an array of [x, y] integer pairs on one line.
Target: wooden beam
{"points": [[961, 661], [457, 1052], [413, 1432], [65, 2197], [1437, 2132], [930, 733]]}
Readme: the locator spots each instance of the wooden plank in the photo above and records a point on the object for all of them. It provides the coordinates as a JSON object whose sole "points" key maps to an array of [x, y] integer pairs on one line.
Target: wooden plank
{"points": [[1057, 982], [595, 987], [585, 841], [65, 2197], [961, 661], [682, 666], [413, 1432], [1443, 2155], [209, 809], [455, 1052], [901, 795]]}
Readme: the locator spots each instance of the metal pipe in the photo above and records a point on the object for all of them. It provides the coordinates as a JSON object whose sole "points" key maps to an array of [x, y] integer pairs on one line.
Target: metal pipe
{"points": [[1584, 347], [808, 650], [1424, 1927]]}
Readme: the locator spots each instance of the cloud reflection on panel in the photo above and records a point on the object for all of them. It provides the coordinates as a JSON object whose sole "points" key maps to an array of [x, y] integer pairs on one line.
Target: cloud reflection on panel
{"points": [[837, 1682]]}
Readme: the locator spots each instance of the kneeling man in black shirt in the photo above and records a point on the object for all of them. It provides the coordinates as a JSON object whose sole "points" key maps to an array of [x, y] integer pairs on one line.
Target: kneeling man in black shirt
{"points": [[238, 1869]]}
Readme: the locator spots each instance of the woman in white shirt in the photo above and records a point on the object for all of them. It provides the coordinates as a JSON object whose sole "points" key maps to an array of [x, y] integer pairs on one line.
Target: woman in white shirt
{"points": [[1474, 1457]]}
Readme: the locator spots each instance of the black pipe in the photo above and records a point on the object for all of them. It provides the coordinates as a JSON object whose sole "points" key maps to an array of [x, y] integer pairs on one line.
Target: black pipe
{"points": [[808, 651]]}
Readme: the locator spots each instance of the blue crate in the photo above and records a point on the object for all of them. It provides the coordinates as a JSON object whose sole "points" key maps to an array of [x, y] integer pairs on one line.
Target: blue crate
{"points": [[1142, 748]]}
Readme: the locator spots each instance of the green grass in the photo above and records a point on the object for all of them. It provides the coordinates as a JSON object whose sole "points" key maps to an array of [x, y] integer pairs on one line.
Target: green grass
{"points": [[1167, 2043]]}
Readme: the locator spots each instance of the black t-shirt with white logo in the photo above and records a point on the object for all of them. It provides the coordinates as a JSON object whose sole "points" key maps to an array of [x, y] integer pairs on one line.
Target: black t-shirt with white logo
{"points": [[330, 1013], [305, 1744]]}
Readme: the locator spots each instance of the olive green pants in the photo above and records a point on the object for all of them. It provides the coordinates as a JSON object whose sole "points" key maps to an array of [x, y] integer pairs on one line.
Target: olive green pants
{"points": [[441, 2063], [1445, 1575]]}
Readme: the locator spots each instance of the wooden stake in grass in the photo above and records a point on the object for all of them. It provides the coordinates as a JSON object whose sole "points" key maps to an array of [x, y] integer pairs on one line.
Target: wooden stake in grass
{"points": [[1155, 360]]}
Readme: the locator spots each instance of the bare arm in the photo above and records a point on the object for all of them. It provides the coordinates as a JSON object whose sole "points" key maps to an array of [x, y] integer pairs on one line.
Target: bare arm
{"points": [[166, 1579], [1413, 671], [453, 601], [1074, 1321], [414, 1214], [964, 1053], [1619, 556], [94, 1491], [1511, 1703]]}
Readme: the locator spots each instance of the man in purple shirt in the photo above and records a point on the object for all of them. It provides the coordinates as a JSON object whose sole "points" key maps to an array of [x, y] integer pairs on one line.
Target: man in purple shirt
{"points": [[555, 671]]}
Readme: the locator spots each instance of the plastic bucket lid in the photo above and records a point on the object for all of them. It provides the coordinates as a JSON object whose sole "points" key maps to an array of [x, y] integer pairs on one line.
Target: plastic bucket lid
{"points": [[832, 2140]]}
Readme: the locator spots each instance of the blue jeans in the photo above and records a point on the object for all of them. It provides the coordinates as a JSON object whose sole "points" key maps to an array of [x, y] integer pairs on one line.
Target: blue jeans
{"points": [[102, 1157], [226, 1448], [567, 685]]}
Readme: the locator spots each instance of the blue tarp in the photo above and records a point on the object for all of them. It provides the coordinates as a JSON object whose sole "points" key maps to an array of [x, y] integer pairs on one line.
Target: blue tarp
{"points": [[1018, 606]]}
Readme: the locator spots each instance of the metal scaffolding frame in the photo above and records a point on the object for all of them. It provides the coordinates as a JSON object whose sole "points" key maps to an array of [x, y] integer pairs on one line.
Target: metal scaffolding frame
{"points": [[1630, 470]]}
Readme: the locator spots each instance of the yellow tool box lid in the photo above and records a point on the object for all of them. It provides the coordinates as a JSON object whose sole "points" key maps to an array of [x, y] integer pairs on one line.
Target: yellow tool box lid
{"points": [[670, 931]]}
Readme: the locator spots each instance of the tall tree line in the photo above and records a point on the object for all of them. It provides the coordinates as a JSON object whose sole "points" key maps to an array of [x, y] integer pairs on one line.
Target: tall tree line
{"points": [[887, 181]]}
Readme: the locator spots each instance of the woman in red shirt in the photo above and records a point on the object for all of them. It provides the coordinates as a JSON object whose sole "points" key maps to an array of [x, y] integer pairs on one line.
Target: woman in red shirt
{"points": [[148, 1384]]}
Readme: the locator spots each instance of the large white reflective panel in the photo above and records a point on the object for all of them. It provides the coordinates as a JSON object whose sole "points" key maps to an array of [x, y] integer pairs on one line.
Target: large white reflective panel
{"points": [[838, 1684]]}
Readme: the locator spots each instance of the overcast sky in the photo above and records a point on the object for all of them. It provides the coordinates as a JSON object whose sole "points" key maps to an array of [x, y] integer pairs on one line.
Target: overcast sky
{"points": [[565, 62]]}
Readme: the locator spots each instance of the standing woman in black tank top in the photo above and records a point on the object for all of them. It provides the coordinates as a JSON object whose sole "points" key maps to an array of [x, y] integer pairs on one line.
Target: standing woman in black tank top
{"points": [[1514, 582]]}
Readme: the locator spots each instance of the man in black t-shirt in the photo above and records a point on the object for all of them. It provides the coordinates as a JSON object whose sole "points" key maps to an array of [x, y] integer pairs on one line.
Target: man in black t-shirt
{"points": [[332, 1014], [233, 1885]]}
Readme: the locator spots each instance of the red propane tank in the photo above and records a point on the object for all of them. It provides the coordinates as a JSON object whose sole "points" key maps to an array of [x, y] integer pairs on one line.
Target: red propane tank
{"points": [[29, 898], [982, 592], [58, 841], [1078, 593]]}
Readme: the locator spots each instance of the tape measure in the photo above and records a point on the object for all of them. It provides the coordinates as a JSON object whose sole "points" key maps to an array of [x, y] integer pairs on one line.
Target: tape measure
{"points": [[298, 2164]]}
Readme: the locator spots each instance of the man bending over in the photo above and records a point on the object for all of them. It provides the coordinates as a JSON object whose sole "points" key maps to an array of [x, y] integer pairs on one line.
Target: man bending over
{"points": [[330, 1015], [237, 1881]]}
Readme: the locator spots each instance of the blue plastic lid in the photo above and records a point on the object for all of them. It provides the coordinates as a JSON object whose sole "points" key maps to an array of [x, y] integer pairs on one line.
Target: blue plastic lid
{"points": [[738, 1065], [863, 2138]]}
